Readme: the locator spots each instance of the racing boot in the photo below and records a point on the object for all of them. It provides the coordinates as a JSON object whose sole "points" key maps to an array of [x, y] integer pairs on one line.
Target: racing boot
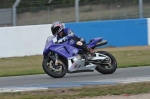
{"points": [[90, 52], [88, 55]]}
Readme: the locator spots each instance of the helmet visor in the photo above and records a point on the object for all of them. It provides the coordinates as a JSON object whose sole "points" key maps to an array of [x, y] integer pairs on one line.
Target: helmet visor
{"points": [[57, 31]]}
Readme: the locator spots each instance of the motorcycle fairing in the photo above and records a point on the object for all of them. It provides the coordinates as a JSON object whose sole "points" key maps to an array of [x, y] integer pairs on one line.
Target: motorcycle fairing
{"points": [[78, 65], [64, 49]]}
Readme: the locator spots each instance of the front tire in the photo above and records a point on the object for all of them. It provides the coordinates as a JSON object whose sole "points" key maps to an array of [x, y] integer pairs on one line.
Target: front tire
{"points": [[107, 68], [50, 68]]}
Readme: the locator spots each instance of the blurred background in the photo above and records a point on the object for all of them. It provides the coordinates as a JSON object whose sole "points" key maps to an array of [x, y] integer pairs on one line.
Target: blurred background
{"points": [[34, 12]]}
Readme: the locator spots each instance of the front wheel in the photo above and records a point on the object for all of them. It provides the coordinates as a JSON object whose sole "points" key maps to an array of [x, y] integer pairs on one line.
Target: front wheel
{"points": [[55, 71], [107, 66]]}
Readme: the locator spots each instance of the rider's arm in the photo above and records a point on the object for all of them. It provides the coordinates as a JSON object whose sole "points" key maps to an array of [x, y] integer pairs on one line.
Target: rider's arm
{"points": [[70, 35]]}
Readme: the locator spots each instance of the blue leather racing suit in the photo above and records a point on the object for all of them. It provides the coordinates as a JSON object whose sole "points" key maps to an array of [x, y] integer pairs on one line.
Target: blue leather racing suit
{"points": [[68, 34]]}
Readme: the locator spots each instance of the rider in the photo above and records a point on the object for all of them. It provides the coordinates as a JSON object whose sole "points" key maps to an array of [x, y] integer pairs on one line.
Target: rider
{"points": [[64, 34]]}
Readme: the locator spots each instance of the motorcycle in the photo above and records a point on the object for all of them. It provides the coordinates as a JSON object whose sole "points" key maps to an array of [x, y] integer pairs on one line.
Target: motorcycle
{"points": [[62, 58]]}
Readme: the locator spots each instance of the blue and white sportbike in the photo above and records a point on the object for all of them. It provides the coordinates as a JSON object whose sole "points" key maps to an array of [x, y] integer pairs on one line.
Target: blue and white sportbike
{"points": [[62, 58]]}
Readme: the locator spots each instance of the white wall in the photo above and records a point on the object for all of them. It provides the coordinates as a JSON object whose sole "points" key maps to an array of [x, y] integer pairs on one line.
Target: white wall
{"points": [[23, 40], [148, 31]]}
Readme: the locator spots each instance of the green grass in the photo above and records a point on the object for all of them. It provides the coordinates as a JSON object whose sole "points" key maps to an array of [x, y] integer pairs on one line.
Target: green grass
{"points": [[21, 66], [28, 65], [76, 93]]}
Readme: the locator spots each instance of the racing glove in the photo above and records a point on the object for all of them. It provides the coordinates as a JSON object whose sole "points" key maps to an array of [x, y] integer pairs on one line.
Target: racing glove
{"points": [[79, 43]]}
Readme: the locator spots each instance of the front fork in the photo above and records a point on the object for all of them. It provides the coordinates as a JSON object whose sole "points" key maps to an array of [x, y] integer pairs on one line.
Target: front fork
{"points": [[57, 59]]}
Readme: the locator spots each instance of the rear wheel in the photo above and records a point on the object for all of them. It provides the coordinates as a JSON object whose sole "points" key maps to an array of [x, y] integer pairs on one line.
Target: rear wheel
{"points": [[55, 71], [107, 66]]}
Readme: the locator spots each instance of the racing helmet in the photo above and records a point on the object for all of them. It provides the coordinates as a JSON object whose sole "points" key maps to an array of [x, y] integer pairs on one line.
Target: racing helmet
{"points": [[57, 27]]}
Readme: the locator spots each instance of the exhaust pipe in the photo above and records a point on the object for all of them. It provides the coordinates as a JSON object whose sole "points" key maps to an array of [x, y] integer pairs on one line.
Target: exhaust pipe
{"points": [[101, 43]]}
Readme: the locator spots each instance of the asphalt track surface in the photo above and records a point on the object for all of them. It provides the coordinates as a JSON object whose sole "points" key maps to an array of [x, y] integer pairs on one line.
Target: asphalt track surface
{"points": [[143, 71]]}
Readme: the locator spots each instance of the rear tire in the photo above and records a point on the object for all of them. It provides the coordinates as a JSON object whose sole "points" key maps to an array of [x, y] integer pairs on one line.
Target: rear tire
{"points": [[102, 67], [50, 72]]}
